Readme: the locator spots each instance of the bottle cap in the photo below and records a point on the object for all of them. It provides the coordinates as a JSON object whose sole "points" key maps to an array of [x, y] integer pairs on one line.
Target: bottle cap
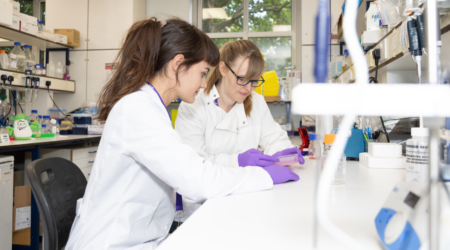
{"points": [[39, 116], [329, 139], [46, 116], [420, 132], [312, 137], [44, 126], [53, 121], [26, 46], [41, 22], [17, 43], [2, 52], [34, 111]]}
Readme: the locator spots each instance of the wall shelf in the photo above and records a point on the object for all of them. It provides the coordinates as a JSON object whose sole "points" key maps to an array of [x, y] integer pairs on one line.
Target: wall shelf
{"points": [[58, 85], [25, 38]]}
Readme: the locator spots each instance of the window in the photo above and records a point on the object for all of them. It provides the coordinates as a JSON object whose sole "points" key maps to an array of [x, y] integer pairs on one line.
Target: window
{"points": [[267, 23], [33, 8]]}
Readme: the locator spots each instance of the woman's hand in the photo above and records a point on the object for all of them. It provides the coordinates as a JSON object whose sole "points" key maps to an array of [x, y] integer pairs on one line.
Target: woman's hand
{"points": [[254, 157], [291, 151]]}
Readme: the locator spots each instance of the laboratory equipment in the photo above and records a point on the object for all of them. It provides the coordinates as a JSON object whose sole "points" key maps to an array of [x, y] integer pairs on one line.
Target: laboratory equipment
{"points": [[53, 126], [417, 153], [251, 157], [287, 160], [36, 88], [83, 130], [82, 119], [40, 119], [27, 85], [402, 222], [383, 155], [6, 201], [355, 144], [41, 26], [44, 129], [339, 176], [33, 82], [39, 131], [34, 116], [51, 69], [303, 132], [444, 150], [388, 10], [11, 132], [321, 41], [17, 58], [39, 70], [59, 70], [29, 59], [406, 8], [314, 146], [56, 114], [4, 60], [372, 18]]}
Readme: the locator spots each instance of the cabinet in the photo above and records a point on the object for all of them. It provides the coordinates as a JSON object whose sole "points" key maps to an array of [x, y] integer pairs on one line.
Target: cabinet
{"points": [[96, 74]]}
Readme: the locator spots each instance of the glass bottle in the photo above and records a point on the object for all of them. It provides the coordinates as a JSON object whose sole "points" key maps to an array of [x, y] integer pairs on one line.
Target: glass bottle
{"points": [[29, 59], [17, 58], [339, 177]]}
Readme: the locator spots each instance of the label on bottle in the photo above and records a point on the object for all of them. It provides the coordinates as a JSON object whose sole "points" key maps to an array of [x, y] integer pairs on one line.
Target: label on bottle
{"points": [[4, 137], [13, 65], [417, 161], [59, 71], [53, 129], [12, 56]]}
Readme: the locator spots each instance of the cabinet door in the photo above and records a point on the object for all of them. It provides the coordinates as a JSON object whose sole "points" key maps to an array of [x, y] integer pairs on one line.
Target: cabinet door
{"points": [[78, 73], [96, 71], [109, 21], [68, 14]]}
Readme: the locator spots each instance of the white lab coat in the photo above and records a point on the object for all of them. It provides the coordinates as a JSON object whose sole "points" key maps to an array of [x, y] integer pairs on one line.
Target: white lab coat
{"points": [[140, 161], [221, 139]]}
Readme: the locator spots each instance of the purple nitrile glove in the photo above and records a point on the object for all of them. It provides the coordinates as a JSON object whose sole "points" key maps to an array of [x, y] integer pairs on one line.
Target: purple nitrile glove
{"points": [[291, 151], [254, 157], [280, 174]]}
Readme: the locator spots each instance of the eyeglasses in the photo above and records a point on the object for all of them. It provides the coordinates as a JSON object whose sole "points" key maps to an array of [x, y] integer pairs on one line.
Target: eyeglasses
{"points": [[241, 81]]}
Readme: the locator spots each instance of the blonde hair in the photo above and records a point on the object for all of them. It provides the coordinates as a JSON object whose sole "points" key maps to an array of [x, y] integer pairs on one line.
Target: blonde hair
{"points": [[228, 54]]}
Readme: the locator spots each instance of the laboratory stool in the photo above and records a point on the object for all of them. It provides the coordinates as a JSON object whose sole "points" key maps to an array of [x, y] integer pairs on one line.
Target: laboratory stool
{"points": [[56, 195]]}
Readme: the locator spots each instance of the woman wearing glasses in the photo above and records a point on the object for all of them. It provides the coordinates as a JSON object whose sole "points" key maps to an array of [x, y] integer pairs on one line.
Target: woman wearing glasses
{"points": [[228, 120]]}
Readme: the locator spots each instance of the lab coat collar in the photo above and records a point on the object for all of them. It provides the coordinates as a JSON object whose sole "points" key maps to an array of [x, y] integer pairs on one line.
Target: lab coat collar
{"points": [[234, 120], [148, 90]]}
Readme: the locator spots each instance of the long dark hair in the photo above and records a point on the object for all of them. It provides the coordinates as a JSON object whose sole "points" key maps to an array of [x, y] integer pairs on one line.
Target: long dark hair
{"points": [[228, 54], [147, 48]]}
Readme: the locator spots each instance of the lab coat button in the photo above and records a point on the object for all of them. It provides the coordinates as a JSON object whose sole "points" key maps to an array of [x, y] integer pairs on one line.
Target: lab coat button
{"points": [[214, 95], [244, 122], [237, 128], [208, 103]]}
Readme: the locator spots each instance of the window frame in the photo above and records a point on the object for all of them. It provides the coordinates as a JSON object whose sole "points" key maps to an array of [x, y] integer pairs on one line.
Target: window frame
{"points": [[246, 34]]}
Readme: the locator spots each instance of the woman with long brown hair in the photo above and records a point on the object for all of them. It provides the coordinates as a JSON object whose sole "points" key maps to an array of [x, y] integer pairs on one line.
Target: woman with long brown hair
{"points": [[141, 160], [228, 120]]}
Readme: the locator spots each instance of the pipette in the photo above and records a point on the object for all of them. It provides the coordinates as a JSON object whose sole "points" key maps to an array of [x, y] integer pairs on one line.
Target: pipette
{"points": [[27, 84], [414, 46], [36, 88], [31, 89]]}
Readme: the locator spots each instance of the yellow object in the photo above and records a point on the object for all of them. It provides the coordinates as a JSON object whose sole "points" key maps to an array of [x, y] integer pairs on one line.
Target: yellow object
{"points": [[174, 117], [329, 139], [271, 84]]}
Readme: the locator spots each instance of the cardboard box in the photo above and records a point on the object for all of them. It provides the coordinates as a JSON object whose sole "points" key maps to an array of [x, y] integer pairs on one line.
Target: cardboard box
{"points": [[73, 36], [15, 22], [29, 28], [370, 37], [22, 204], [6, 13], [29, 19], [16, 8]]}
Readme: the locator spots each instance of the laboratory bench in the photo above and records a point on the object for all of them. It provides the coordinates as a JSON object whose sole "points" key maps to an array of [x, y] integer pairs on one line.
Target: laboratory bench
{"points": [[283, 217], [34, 146]]}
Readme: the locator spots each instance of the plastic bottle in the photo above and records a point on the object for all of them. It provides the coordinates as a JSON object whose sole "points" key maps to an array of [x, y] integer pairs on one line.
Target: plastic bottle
{"points": [[417, 152], [314, 146], [4, 60], [39, 131], [53, 126], [40, 119], [11, 138], [34, 116], [17, 58], [46, 121], [339, 177], [51, 69], [29, 59], [348, 60], [41, 26], [57, 127], [59, 70]]}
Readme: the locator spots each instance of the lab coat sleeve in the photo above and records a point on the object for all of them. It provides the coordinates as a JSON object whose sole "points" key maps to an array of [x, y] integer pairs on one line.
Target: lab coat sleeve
{"points": [[190, 125], [273, 138], [150, 140]]}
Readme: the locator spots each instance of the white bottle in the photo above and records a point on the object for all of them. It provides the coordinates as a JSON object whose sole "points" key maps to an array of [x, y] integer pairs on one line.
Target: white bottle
{"points": [[372, 17], [53, 127], [4, 60], [417, 153], [51, 69], [17, 58], [59, 70]]}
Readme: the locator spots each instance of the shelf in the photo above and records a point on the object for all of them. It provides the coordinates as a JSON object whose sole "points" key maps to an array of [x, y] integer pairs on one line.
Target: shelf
{"points": [[25, 38], [58, 85]]}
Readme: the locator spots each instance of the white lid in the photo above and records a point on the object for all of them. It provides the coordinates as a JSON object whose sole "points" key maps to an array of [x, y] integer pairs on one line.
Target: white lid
{"points": [[53, 121], [420, 132]]}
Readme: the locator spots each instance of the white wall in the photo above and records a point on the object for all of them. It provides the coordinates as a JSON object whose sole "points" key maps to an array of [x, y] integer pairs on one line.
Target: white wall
{"points": [[168, 8]]}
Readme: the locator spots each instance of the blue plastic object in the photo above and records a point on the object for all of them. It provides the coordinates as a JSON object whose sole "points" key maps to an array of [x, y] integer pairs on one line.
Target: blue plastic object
{"points": [[26, 46], [82, 119], [17, 43], [355, 144], [34, 111], [65, 132], [408, 240], [79, 131], [447, 123], [312, 137], [322, 42]]}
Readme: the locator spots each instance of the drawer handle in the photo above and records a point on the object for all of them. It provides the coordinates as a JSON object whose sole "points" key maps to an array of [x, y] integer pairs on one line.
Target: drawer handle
{"points": [[92, 152], [90, 161]]}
